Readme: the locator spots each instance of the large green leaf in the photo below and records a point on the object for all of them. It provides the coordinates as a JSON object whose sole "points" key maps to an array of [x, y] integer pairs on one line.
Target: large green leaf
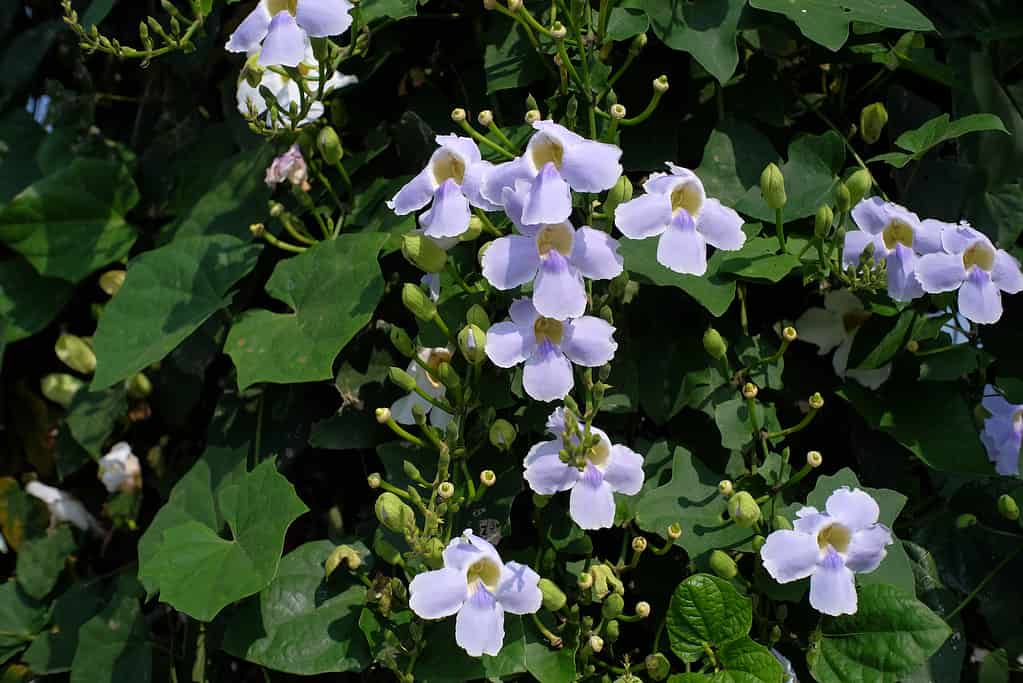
{"points": [[28, 301], [391, 9], [302, 623], [706, 611], [53, 651], [333, 289], [20, 134], [512, 62], [93, 415], [712, 291], [733, 159], [945, 665], [167, 294], [742, 661], [41, 560], [827, 21], [114, 646], [936, 131], [757, 261], [72, 222], [22, 619], [706, 29], [891, 635]]}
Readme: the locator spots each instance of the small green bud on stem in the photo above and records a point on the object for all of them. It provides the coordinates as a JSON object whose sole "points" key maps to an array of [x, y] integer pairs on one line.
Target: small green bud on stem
{"points": [[772, 187]]}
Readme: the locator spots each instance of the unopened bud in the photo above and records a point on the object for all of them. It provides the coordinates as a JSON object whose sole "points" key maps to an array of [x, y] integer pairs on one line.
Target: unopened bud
{"points": [[553, 597], [612, 630], [386, 551], [474, 230], [675, 531], [488, 478], [401, 341], [401, 379], [638, 43], [642, 609], [477, 315], [558, 31], [75, 353], [418, 302], [858, 185], [966, 520], [329, 145], [374, 480], [714, 344], [60, 387], [619, 193], [658, 666], [758, 543], [750, 390], [618, 112], [383, 415], [816, 401], [514, 5], [873, 118], [585, 581], [605, 581], [458, 115], [613, 606], [725, 487], [814, 459], [781, 522], [485, 117], [723, 565], [139, 386], [112, 281], [449, 377], [639, 544], [843, 200], [472, 342], [502, 434], [596, 643], [257, 229], [1007, 507], [532, 116], [789, 334], [489, 4], [393, 513], [772, 187], [276, 209], [743, 509], [823, 220], [343, 554], [912, 346], [446, 490], [661, 84], [423, 253], [411, 471]]}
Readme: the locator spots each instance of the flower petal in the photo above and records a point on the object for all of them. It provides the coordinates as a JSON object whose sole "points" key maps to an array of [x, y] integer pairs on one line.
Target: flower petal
{"points": [[979, 298], [589, 341], [1006, 273], [449, 214], [940, 272], [510, 261], [515, 203], [547, 375], [625, 470], [508, 344], [472, 186], [870, 215], [595, 254], [997, 405], [414, 195], [463, 147], [720, 226], [545, 473], [927, 236], [821, 327], [523, 313], [590, 166], [867, 548], [549, 200], [809, 520], [519, 592], [558, 292], [955, 239], [437, 594], [855, 242], [681, 248], [285, 42], [466, 549], [322, 18], [854, 509], [504, 175], [479, 627], [440, 418], [902, 282], [591, 504], [789, 555], [832, 587], [644, 216], [251, 31]]}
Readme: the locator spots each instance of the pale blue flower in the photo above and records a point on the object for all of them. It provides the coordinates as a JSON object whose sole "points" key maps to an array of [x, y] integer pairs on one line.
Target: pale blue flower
{"points": [[283, 28], [402, 409], [1003, 432], [835, 327]]}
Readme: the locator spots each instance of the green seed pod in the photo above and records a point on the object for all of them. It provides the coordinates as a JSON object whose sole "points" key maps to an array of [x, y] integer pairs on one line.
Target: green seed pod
{"points": [[401, 379], [744, 509], [859, 184], [553, 597], [329, 145], [138, 386], [873, 118], [343, 554], [60, 387], [620, 193], [477, 315], [393, 513], [823, 220], [75, 353], [401, 341], [423, 253], [502, 434], [472, 342], [417, 302], [658, 666], [714, 344], [772, 187], [613, 606], [1007, 507], [723, 565]]}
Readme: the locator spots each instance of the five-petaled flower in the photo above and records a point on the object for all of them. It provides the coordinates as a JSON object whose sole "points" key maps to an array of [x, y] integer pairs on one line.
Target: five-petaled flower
{"points": [[283, 28], [604, 469], [1003, 432], [477, 586], [549, 347], [677, 208], [119, 470], [401, 410], [970, 263], [836, 325], [829, 547]]}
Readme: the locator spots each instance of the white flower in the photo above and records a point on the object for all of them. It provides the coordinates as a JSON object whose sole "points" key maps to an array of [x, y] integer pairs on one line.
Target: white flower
{"points": [[119, 470], [63, 507], [836, 325], [402, 409]]}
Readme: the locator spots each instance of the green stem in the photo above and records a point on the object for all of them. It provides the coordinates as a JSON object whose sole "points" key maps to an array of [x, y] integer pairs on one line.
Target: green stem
{"points": [[405, 434], [779, 224], [800, 426], [986, 580], [484, 140], [469, 483], [651, 107], [502, 137], [281, 244]]}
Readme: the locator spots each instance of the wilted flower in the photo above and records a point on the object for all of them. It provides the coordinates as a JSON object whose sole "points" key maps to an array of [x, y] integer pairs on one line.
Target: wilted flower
{"points": [[548, 348], [836, 325], [402, 409], [283, 28], [1003, 432], [829, 547], [606, 469], [477, 586], [898, 237], [970, 263], [286, 90], [289, 166], [450, 183], [63, 506], [677, 208], [119, 470], [555, 162]]}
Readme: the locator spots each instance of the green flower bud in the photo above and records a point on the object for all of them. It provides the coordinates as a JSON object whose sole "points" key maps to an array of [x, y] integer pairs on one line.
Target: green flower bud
{"points": [[620, 193], [417, 302], [714, 344], [873, 118], [596, 643], [329, 145], [423, 253], [401, 379], [472, 342], [1007, 507], [434, 553], [781, 522], [448, 377], [553, 597], [75, 353], [605, 581], [823, 220], [401, 341], [374, 480], [474, 230], [393, 513], [966, 520], [111, 281], [612, 630], [613, 606], [60, 387], [477, 315], [385, 550], [502, 434], [343, 554], [138, 386], [858, 184], [772, 187], [843, 200], [743, 510], [758, 543], [411, 471], [723, 565], [658, 666]]}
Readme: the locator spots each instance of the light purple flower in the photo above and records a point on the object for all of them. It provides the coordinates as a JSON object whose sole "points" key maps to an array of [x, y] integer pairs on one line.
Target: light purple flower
{"points": [[899, 238], [401, 410], [477, 586], [830, 547], [836, 325], [1003, 432], [555, 258], [970, 263], [289, 166], [555, 162], [120, 470], [677, 208], [450, 183], [283, 28], [548, 348], [606, 470], [286, 90]]}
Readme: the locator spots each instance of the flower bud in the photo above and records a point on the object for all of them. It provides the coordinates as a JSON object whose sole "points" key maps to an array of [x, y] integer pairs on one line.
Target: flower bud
{"points": [[725, 487], [619, 193], [411, 471], [612, 630], [553, 597], [843, 200], [814, 459], [393, 513], [596, 643], [60, 387], [257, 230], [138, 386], [401, 341], [383, 549], [474, 230], [912, 346], [658, 666], [532, 116], [966, 520], [714, 344], [858, 185], [750, 390], [661, 84], [446, 490], [112, 281], [423, 253], [585, 581], [618, 112], [675, 531], [458, 115], [758, 543], [613, 606], [75, 353], [383, 415], [514, 5], [642, 609], [485, 117], [433, 553], [343, 554], [472, 342], [329, 145], [743, 509], [418, 302], [489, 4], [1007, 507], [772, 187], [816, 401], [781, 522], [502, 434], [638, 43], [401, 379], [448, 377], [477, 315], [789, 334], [639, 544], [488, 478], [723, 565], [374, 480], [558, 31], [873, 118], [823, 220]]}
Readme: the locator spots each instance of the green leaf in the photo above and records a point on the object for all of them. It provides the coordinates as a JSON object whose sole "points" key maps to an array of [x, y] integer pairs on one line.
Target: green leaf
{"points": [[333, 289], [712, 291], [41, 560], [97, 12], [199, 572], [392, 9], [510, 61], [114, 646], [732, 419], [21, 135], [733, 159], [936, 131], [706, 29], [302, 623], [953, 363], [945, 665], [72, 222], [22, 618], [994, 668], [743, 661], [880, 339], [827, 21], [706, 611], [93, 415], [626, 22], [53, 651], [891, 635], [28, 301], [757, 260], [24, 52], [167, 294]]}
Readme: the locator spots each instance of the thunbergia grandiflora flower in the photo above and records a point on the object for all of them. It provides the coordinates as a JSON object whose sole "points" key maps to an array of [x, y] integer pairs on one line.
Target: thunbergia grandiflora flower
{"points": [[836, 325], [477, 586], [1003, 432], [899, 238], [556, 258], [119, 470], [290, 167], [281, 29], [556, 161], [63, 507], [549, 347], [402, 409], [450, 183], [830, 547], [677, 208], [594, 474], [970, 263]]}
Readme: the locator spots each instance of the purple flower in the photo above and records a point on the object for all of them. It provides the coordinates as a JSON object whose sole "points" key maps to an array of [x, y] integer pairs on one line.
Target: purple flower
{"points": [[283, 28], [555, 162], [1003, 432], [898, 236], [451, 181], [549, 347], [289, 166], [605, 469], [835, 326], [970, 263], [829, 547], [477, 586], [401, 410], [677, 208]]}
